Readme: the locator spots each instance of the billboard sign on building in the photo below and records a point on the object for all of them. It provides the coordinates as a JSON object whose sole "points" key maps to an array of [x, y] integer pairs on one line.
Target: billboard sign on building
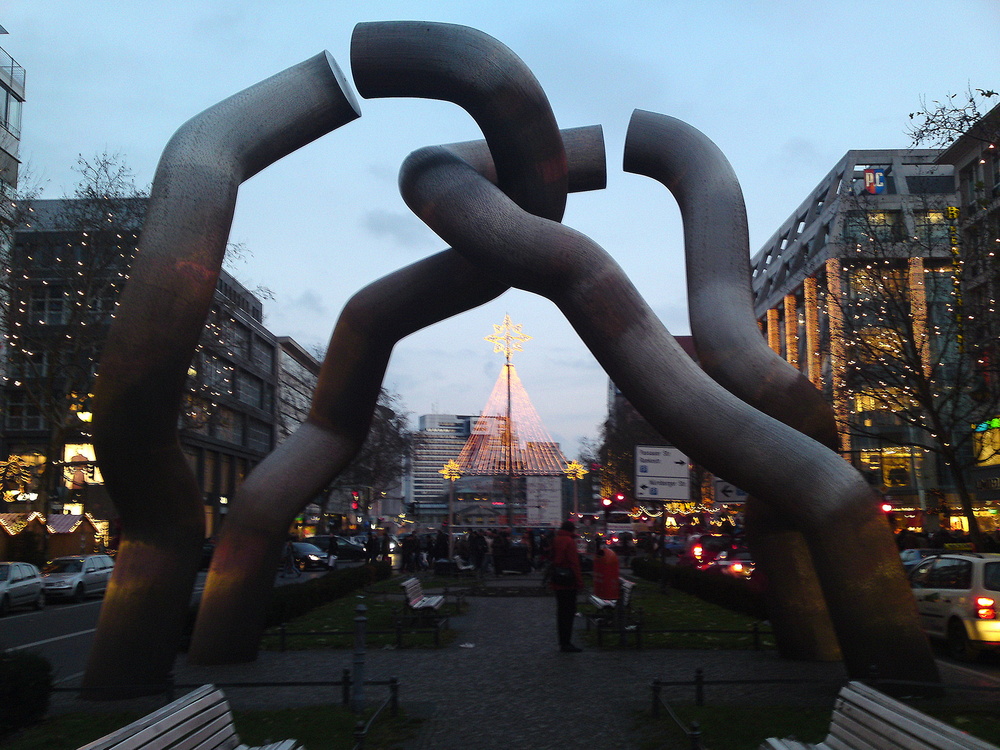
{"points": [[875, 181], [543, 497]]}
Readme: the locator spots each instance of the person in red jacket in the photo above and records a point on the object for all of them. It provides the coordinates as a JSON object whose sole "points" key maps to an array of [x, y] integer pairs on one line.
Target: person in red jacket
{"points": [[565, 556]]}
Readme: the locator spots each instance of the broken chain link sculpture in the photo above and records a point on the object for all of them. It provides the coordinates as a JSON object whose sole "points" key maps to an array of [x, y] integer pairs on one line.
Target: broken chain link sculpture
{"points": [[503, 234]]}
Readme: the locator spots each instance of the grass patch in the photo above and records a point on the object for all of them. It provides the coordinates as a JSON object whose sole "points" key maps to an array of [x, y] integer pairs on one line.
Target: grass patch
{"points": [[676, 610], [331, 626], [316, 727], [741, 727]]}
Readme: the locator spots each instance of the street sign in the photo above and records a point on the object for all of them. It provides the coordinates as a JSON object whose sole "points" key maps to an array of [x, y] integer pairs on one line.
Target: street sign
{"points": [[662, 488], [728, 493], [659, 461]]}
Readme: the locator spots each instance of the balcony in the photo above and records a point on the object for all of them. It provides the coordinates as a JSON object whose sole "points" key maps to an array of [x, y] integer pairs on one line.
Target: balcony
{"points": [[11, 74]]}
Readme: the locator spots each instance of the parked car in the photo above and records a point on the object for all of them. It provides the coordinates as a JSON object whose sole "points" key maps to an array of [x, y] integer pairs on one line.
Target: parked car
{"points": [[911, 557], [701, 549], [347, 548], [77, 576], [20, 586], [309, 556], [957, 601]]}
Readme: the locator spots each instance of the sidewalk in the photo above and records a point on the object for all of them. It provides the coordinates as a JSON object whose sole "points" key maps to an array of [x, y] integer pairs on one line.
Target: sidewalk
{"points": [[513, 688]]}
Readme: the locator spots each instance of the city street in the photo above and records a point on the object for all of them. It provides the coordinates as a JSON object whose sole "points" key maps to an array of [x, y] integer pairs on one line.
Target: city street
{"points": [[63, 631]]}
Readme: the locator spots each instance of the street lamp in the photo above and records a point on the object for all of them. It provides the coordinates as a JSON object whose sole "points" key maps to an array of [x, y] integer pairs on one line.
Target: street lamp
{"points": [[574, 471], [451, 471]]}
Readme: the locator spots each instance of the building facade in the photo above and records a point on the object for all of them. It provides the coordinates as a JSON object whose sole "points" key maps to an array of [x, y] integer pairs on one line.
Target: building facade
{"points": [[298, 373], [975, 158], [875, 229], [64, 278], [439, 439]]}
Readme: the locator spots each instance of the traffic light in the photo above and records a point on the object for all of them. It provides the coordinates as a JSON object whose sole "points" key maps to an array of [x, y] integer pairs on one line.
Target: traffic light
{"points": [[606, 502], [355, 505], [619, 498]]}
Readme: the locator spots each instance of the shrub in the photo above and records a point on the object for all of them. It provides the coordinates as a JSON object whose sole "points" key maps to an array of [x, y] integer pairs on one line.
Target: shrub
{"points": [[25, 689], [736, 594]]}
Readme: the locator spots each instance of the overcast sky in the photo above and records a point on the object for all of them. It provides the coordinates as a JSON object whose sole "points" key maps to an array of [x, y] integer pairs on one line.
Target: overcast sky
{"points": [[784, 88]]}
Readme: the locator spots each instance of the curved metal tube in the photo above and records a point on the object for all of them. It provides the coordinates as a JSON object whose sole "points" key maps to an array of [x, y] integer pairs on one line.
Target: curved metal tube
{"points": [[876, 620], [478, 73], [732, 351], [150, 345], [241, 577]]}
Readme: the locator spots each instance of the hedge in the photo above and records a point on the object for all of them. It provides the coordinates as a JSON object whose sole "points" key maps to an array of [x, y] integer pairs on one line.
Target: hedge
{"points": [[737, 594]]}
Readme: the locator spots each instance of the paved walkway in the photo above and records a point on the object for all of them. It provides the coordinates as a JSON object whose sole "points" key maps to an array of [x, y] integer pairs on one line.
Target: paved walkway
{"points": [[503, 684]]}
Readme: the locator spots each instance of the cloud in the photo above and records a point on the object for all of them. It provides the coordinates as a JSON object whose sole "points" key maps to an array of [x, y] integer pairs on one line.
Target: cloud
{"points": [[404, 229]]}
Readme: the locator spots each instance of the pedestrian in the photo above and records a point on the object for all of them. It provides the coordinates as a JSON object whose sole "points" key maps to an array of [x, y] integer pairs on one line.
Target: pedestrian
{"points": [[477, 551], [331, 553], [565, 557]]}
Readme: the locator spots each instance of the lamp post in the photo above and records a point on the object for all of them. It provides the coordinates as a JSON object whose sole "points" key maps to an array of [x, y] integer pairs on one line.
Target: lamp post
{"points": [[574, 472], [451, 471]]}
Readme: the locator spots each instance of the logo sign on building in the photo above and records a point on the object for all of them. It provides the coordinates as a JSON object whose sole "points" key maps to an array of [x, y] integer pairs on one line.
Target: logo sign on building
{"points": [[544, 501], [661, 473], [875, 181]]}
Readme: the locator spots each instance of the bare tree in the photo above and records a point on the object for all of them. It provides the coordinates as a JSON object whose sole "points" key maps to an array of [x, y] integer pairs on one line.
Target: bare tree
{"points": [[938, 123], [61, 280]]}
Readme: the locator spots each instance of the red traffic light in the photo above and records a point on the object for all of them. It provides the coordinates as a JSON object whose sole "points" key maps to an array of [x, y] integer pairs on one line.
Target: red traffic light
{"points": [[619, 497], [605, 501]]}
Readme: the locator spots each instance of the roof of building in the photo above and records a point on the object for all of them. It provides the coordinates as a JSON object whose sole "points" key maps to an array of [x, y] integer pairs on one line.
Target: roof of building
{"points": [[65, 523]]}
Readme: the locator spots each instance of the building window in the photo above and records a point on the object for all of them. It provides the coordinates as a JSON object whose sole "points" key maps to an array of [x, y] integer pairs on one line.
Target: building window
{"points": [[258, 435], [251, 389], [21, 413], [10, 112], [46, 306], [867, 227], [932, 227]]}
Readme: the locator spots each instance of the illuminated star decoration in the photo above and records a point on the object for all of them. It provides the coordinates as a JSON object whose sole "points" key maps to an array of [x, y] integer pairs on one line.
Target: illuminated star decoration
{"points": [[507, 338]]}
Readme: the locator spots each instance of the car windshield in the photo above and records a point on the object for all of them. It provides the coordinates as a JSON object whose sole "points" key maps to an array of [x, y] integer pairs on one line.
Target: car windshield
{"points": [[64, 566], [991, 576], [307, 549]]}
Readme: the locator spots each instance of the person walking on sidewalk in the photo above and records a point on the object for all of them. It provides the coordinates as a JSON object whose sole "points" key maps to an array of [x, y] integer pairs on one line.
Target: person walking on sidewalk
{"points": [[566, 581]]}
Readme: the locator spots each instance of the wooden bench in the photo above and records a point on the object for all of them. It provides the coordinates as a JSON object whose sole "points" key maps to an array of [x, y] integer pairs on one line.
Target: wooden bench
{"points": [[201, 720], [615, 615], [865, 719], [417, 602], [462, 567]]}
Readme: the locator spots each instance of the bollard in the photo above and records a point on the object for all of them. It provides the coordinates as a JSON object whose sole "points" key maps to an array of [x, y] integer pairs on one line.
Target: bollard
{"points": [[359, 736], [393, 696], [695, 735], [345, 687], [699, 687], [358, 680], [656, 698]]}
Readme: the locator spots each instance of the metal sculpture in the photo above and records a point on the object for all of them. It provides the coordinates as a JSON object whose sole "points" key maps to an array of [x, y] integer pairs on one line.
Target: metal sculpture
{"points": [[871, 607], [511, 235], [240, 580], [732, 351], [149, 348]]}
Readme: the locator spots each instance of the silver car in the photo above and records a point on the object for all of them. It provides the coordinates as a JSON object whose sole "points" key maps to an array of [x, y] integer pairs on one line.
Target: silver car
{"points": [[77, 576], [20, 585]]}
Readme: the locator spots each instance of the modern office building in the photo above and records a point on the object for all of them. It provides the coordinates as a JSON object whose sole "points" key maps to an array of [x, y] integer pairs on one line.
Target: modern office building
{"points": [[11, 103], [298, 372], [439, 438], [877, 214]]}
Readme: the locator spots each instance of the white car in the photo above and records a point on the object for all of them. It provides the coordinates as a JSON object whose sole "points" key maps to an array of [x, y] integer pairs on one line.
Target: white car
{"points": [[20, 585], [957, 599], [77, 576]]}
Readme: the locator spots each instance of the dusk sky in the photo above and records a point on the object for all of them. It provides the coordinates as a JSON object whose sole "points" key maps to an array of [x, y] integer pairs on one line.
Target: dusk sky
{"points": [[783, 88]]}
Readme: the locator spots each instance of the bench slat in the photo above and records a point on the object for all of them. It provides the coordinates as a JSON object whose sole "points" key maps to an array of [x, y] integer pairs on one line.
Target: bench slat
{"points": [[910, 727], [200, 720]]}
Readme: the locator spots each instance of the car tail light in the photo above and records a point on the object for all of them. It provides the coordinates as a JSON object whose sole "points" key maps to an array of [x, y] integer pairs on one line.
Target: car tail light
{"points": [[737, 567], [697, 551], [986, 608]]}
